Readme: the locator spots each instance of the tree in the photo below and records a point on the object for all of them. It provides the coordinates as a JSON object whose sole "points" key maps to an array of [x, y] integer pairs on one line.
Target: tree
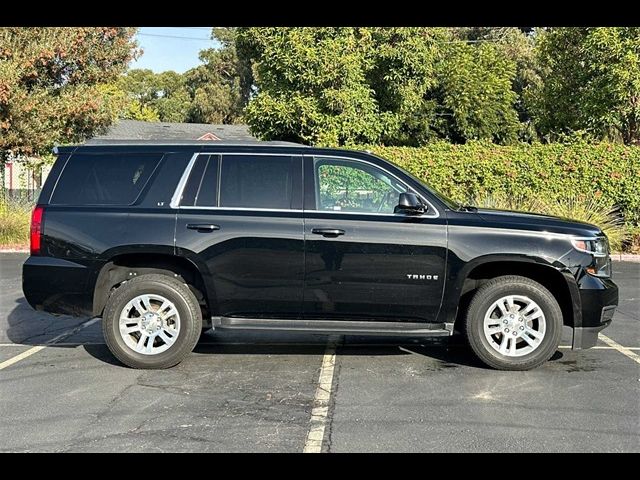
{"points": [[401, 86], [311, 85], [518, 45], [220, 87], [52, 84], [155, 96], [591, 83]]}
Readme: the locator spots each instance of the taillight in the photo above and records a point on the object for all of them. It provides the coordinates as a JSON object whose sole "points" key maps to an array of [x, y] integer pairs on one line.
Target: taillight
{"points": [[36, 229]]}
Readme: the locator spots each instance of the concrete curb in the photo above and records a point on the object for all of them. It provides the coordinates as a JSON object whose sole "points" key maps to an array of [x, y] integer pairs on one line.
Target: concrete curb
{"points": [[625, 257]]}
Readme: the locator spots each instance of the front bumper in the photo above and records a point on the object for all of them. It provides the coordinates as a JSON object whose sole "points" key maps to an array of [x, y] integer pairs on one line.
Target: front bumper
{"points": [[599, 299]]}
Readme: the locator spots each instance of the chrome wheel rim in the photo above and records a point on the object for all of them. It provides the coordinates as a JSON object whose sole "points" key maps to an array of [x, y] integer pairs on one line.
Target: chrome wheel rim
{"points": [[149, 324], [514, 325]]}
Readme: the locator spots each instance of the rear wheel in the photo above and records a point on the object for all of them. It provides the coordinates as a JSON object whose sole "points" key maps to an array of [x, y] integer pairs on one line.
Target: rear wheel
{"points": [[152, 321], [513, 323]]}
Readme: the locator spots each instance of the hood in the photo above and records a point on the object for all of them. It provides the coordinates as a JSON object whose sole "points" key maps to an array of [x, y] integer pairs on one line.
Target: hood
{"points": [[538, 222]]}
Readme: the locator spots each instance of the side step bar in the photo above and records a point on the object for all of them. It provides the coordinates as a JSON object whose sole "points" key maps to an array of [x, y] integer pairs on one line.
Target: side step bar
{"points": [[344, 327]]}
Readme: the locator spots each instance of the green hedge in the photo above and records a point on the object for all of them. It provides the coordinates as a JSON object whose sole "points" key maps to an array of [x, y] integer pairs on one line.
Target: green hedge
{"points": [[548, 171]]}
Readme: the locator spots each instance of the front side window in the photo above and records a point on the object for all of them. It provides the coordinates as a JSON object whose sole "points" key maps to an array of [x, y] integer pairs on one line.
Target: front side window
{"points": [[352, 186], [104, 179], [258, 181]]}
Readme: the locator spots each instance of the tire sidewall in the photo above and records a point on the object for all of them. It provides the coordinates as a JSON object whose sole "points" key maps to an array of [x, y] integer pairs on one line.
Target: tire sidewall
{"points": [[174, 354], [553, 319]]}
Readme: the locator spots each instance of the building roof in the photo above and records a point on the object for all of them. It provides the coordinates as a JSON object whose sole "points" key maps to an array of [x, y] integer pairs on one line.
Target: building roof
{"points": [[164, 131]]}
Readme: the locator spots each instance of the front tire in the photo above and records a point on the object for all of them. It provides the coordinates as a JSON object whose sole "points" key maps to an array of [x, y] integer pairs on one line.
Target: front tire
{"points": [[152, 321], [513, 323]]}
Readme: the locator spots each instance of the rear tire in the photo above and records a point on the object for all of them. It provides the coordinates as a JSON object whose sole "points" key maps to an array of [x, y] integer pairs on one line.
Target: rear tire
{"points": [[513, 323], [180, 322]]}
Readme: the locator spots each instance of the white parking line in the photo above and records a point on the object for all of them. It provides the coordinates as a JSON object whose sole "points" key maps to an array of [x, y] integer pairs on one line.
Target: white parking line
{"points": [[37, 348], [320, 411], [623, 350]]}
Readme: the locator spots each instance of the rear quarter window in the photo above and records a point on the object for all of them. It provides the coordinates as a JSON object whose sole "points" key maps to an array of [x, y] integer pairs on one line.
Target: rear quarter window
{"points": [[104, 179]]}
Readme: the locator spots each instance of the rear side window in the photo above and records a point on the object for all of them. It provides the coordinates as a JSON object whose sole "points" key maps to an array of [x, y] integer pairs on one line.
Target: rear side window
{"points": [[104, 179], [201, 189], [258, 181]]}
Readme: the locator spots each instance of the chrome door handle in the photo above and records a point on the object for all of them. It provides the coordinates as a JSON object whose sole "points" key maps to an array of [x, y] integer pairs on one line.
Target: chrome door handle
{"points": [[328, 232], [203, 227]]}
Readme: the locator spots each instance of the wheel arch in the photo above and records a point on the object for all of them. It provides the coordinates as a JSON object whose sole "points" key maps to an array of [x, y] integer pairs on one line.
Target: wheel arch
{"points": [[559, 281], [123, 266]]}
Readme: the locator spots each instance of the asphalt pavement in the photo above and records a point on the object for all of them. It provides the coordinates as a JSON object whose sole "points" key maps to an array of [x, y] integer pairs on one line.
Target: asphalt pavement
{"points": [[61, 390]]}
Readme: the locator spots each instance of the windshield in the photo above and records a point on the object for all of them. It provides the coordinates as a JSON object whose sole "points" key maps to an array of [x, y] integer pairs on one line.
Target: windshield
{"points": [[449, 202]]}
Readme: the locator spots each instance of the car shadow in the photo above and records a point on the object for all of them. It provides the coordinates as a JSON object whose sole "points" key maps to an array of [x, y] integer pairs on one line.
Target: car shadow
{"points": [[31, 327]]}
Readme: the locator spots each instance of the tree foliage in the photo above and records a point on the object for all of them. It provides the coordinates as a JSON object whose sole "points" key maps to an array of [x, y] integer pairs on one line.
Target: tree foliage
{"points": [[215, 91], [52, 84], [591, 83], [401, 86]]}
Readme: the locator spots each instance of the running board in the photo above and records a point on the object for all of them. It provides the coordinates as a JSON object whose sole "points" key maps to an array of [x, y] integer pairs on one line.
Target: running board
{"points": [[344, 327]]}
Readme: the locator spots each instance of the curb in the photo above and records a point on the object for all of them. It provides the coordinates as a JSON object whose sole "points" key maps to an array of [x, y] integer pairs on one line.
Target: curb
{"points": [[625, 257]]}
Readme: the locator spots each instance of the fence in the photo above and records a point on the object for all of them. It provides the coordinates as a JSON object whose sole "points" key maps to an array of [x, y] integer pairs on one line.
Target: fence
{"points": [[19, 195]]}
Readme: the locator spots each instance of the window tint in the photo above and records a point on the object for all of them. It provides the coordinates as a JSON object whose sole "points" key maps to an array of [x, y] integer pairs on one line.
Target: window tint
{"points": [[350, 186], [201, 189], [207, 195], [195, 178], [263, 181], [104, 179]]}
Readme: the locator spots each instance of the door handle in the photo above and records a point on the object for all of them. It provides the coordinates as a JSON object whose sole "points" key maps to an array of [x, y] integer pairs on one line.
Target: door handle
{"points": [[203, 227], [328, 232]]}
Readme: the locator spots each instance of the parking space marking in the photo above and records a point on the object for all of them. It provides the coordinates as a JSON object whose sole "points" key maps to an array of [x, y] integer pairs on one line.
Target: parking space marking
{"points": [[37, 348], [320, 411], [623, 350]]}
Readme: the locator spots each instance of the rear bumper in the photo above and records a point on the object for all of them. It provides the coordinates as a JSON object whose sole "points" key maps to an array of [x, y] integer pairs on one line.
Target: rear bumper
{"points": [[56, 286]]}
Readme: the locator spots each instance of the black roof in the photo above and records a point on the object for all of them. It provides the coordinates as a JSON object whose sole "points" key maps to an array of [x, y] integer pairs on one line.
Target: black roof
{"points": [[288, 148], [173, 145]]}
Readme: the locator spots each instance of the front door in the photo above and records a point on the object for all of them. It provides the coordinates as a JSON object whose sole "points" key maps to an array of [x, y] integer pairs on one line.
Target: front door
{"points": [[240, 220], [362, 260]]}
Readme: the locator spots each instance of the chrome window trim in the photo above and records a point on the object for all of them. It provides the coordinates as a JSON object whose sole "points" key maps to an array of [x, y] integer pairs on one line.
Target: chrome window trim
{"points": [[409, 188], [177, 195]]}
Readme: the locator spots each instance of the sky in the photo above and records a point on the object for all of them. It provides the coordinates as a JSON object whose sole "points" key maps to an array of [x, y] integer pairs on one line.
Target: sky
{"points": [[172, 48]]}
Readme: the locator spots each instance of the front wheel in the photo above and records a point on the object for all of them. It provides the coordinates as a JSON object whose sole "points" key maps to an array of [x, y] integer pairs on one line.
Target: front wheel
{"points": [[152, 321], [513, 323]]}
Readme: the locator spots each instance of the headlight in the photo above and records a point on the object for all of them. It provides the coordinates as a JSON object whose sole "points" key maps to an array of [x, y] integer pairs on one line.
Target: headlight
{"points": [[598, 248]]}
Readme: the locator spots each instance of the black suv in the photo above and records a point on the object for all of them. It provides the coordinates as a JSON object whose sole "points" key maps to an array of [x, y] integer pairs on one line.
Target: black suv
{"points": [[164, 241]]}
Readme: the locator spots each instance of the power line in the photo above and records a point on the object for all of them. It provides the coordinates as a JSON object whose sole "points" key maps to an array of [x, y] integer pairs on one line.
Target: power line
{"points": [[176, 36]]}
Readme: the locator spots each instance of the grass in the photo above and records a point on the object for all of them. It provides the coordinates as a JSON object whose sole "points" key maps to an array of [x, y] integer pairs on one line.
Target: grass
{"points": [[591, 210], [15, 220]]}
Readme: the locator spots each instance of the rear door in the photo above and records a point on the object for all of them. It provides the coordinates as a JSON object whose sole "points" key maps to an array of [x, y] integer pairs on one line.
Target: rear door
{"points": [[240, 220], [363, 261]]}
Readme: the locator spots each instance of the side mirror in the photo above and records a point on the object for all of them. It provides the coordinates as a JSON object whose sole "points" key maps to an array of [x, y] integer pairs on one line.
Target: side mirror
{"points": [[410, 204]]}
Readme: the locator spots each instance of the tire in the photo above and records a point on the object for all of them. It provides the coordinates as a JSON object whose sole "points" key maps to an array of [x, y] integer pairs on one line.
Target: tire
{"points": [[155, 289], [534, 342]]}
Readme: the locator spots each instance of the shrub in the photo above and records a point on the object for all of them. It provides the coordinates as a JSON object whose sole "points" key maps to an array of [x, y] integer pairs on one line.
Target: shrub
{"points": [[15, 219], [585, 209], [549, 172]]}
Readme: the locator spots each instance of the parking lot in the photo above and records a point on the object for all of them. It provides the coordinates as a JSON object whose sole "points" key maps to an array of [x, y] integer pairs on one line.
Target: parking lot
{"points": [[61, 390]]}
